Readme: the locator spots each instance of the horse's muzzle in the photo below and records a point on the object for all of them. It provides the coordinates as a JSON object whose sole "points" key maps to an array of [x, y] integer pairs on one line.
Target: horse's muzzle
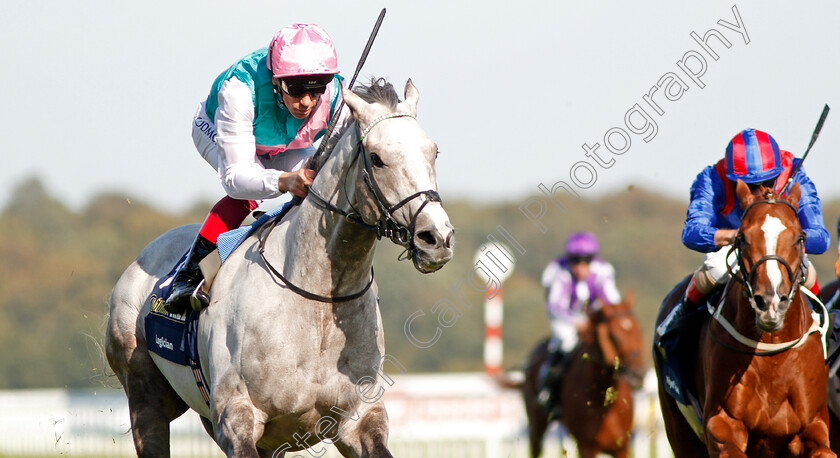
{"points": [[434, 240], [770, 310]]}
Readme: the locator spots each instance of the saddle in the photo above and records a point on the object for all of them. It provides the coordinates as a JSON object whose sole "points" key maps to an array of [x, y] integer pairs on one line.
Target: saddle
{"points": [[230, 241]]}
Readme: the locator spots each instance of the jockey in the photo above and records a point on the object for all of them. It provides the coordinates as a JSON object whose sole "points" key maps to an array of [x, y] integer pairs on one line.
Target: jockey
{"points": [[257, 128], [714, 214], [575, 283]]}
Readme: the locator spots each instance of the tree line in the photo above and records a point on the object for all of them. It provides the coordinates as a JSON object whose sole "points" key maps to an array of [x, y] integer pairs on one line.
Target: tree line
{"points": [[58, 266]]}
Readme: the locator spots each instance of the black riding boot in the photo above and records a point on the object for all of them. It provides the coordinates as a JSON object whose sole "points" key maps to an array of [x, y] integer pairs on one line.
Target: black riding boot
{"points": [[549, 391], [185, 290]]}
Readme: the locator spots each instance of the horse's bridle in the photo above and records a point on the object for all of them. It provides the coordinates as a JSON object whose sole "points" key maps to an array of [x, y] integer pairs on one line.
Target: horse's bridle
{"points": [[745, 276], [386, 225]]}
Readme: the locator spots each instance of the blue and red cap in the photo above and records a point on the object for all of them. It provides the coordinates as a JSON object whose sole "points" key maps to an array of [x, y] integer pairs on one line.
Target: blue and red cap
{"points": [[753, 156]]}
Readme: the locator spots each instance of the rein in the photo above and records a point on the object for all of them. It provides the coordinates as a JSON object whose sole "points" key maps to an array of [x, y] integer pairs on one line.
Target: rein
{"points": [[745, 277], [386, 226], [262, 236]]}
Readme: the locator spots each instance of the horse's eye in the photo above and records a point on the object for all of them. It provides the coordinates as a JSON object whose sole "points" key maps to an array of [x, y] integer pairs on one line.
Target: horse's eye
{"points": [[376, 160], [437, 153]]}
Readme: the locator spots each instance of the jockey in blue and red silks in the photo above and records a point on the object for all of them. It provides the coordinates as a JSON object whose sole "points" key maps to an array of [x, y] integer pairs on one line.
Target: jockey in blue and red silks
{"points": [[714, 214], [576, 283], [257, 128]]}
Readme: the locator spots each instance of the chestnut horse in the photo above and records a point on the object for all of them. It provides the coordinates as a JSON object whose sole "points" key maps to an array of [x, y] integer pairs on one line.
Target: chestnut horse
{"points": [[830, 295], [759, 370], [597, 395]]}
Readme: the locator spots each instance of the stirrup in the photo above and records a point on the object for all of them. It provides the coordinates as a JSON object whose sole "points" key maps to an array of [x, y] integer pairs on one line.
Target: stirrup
{"points": [[199, 299]]}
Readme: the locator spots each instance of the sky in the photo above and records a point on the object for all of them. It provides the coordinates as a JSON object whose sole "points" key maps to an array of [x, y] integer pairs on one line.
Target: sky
{"points": [[98, 96]]}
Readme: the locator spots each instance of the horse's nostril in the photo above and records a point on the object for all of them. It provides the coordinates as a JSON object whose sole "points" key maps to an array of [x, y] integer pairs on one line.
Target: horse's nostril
{"points": [[448, 242], [427, 237], [759, 302]]}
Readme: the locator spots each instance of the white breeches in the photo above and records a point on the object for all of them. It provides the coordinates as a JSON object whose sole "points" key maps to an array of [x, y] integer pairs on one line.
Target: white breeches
{"points": [[564, 336]]}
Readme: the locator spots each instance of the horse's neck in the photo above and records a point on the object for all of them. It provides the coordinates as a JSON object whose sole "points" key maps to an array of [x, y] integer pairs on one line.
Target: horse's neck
{"points": [[597, 350], [327, 246]]}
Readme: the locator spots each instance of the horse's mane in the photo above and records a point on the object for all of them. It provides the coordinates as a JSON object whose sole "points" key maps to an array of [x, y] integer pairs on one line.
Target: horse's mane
{"points": [[380, 91]]}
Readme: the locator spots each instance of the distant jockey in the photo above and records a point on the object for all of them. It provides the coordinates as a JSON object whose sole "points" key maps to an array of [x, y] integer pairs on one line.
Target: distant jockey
{"points": [[714, 214], [257, 129], [576, 283]]}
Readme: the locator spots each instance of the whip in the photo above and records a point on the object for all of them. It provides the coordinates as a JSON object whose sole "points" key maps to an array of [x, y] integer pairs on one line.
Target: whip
{"points": [[813, 139]]}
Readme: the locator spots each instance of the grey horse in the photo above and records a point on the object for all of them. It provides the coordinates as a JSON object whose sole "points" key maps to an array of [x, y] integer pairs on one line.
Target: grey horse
{"points": [[292, 343]]}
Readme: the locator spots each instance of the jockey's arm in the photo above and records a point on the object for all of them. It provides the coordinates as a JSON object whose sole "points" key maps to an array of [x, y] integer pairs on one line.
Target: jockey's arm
{"points": [[699, 231], [607, 290], [810, 215], [242, 174]]}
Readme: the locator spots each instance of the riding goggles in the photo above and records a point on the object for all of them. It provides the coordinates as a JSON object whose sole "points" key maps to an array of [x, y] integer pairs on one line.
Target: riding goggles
{"points": [[575, 259], [297, 86]]}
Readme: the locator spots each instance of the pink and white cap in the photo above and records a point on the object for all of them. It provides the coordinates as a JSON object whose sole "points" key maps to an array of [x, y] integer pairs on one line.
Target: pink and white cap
{"points": [[302, 49]]}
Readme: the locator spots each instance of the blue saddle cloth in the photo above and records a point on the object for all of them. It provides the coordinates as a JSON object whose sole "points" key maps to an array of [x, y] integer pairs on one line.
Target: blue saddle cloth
{"points": [[676, 349], [169, 335]]}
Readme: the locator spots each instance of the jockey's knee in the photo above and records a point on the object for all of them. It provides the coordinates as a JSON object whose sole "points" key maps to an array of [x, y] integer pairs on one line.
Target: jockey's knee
{"points": [[706, 282], [715, 270], [811, 275]]}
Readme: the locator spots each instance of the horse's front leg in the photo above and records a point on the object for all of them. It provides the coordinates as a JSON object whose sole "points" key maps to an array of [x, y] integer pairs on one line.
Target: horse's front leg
{"points": [[365, 436], [815, 437], [725, 436], [234, 421]]}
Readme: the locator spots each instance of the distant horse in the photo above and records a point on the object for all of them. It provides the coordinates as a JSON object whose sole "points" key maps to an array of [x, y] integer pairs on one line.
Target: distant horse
{"points": [[830, 295], [758, 369], [292, 343], [597, 387]]}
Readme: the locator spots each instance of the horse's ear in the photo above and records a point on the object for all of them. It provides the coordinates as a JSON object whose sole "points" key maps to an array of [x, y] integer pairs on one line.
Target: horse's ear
{"points": [[412, 95], [357, 105], [744, 194], [793, 195], [629, 299]]}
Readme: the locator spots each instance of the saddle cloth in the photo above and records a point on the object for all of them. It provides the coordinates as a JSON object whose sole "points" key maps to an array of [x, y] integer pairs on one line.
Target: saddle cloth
{"points": [[169, 335], [675, 343], [172, 336]]}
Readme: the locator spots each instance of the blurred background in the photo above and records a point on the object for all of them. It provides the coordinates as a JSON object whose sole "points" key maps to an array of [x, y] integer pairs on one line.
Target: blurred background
{"points": [[98, 161]]}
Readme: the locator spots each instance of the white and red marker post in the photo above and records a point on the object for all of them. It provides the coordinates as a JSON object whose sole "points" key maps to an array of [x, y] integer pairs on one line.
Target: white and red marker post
{"points": [[496, 261]]}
